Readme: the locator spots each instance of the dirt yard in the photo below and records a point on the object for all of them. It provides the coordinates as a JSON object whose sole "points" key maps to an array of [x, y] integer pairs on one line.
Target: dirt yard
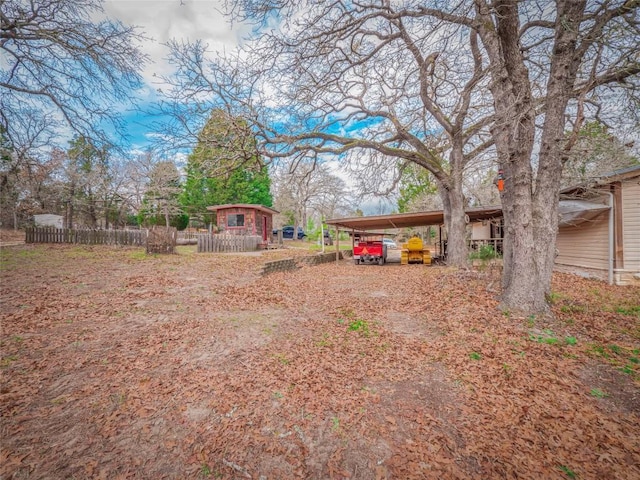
{"points": [[118, 365], [11, 237]]}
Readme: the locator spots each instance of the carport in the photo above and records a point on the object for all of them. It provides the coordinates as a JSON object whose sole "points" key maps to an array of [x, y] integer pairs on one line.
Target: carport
{"points": [[370, 224]]}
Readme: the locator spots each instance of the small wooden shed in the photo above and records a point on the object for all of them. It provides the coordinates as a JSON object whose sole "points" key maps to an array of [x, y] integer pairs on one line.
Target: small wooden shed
{"points": [[245, 219]]}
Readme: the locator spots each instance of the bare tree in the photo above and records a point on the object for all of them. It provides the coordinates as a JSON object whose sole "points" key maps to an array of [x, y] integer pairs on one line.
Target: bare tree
{"points": [[596, 151], [309, 188], [64, 62], [364, 84], [29, 185], [162, 189], [480, 184], [88, 177], [334, 198], [436, 83], [19, 158], [588, 47]]}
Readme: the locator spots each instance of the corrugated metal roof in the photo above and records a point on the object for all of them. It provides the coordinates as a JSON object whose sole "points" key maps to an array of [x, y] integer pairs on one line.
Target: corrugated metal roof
{"points": [[575, 212], [415, 219], [572, 212]]}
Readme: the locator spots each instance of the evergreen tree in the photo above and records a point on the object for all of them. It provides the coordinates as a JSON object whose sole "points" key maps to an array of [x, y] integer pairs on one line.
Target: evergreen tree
{"points": [[418, 191], [224, 167]]}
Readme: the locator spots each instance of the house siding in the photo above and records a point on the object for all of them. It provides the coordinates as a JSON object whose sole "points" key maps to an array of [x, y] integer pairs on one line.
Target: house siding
{"points": [[480, 231], [585, 245], [630, 273], [249, 220]]}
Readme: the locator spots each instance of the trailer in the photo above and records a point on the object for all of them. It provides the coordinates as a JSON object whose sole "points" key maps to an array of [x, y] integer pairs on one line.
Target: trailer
{"points": [[370, 250]]}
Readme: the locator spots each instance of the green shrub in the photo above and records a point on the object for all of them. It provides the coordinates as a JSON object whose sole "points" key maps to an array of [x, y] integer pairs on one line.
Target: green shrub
{"points": [[485, 252]]}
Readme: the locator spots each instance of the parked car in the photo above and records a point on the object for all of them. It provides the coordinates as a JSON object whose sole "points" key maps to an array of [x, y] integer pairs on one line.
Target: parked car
{"points": [[287, 232], [389, 243]]}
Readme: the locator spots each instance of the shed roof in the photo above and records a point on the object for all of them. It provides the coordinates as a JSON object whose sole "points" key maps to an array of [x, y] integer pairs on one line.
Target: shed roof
{"points": [[572, 212], [253, 206]]}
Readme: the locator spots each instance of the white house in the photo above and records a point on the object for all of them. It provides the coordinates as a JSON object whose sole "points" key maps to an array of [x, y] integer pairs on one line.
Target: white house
{"points": [[599, 233]]}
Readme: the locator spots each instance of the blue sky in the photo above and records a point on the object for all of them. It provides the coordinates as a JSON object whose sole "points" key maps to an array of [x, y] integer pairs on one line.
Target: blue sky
{"points": [[161, 21], [188, 20], [164, 20]]}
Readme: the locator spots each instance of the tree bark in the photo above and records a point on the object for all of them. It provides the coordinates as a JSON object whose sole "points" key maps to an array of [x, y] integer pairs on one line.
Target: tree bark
{"points": [[513, 131], [450, 189], [70, 210], [93, 215], [530, 203], [562, 76], [456, 226]]}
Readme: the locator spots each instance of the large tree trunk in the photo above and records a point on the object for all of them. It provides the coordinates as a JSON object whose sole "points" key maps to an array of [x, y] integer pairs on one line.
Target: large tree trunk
{"points": [[514, 137], [455, 224], [450, 190], [547, 192], [523, 280], [530, 207]]}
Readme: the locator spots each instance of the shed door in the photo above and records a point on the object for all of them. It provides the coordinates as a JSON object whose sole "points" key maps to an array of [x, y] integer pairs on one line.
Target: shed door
{"points": [[264, 228]]}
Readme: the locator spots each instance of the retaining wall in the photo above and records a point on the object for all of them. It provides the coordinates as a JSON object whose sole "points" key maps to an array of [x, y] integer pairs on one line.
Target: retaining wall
{"points": [[279, 266], [320, 258], [288, 264]]}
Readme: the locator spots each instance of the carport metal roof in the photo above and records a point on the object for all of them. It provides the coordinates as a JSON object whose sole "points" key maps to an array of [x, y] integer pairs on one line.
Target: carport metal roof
{"points": [[404, 220]]}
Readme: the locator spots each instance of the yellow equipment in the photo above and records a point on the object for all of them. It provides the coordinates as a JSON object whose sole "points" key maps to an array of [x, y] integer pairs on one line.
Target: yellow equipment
{"points": [[414, 252]]}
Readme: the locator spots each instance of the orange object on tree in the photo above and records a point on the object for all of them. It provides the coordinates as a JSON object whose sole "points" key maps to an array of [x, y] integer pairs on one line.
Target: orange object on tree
{"points": [[499, 181]]}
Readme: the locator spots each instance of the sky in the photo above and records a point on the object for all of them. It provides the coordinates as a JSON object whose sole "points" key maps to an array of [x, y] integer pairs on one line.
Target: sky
{"points": [[161, 21], [188, 20]]}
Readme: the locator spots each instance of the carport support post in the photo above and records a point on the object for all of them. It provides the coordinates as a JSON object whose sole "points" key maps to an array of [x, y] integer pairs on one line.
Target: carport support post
{"points": [[337, 244]]}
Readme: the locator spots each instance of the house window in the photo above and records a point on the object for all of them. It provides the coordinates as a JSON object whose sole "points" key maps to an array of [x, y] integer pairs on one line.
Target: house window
{"points": [[235, 220]]}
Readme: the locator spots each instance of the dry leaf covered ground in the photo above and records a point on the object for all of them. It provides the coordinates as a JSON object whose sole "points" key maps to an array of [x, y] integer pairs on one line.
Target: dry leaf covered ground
{"points": [[11, 237], [119, 365]]}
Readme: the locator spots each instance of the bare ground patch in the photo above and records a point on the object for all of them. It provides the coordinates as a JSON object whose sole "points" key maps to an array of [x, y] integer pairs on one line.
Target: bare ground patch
{"points": [[119, 365]]}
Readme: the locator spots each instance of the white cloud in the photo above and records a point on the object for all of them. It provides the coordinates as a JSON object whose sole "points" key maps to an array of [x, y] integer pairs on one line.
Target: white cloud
{"points": [[336, 168], [164, 20], [161, 21]]}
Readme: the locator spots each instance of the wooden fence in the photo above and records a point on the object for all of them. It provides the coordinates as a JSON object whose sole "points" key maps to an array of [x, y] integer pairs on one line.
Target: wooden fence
{"points": [[228, 243], [191, 234], [86, 236], [206, 242]]}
